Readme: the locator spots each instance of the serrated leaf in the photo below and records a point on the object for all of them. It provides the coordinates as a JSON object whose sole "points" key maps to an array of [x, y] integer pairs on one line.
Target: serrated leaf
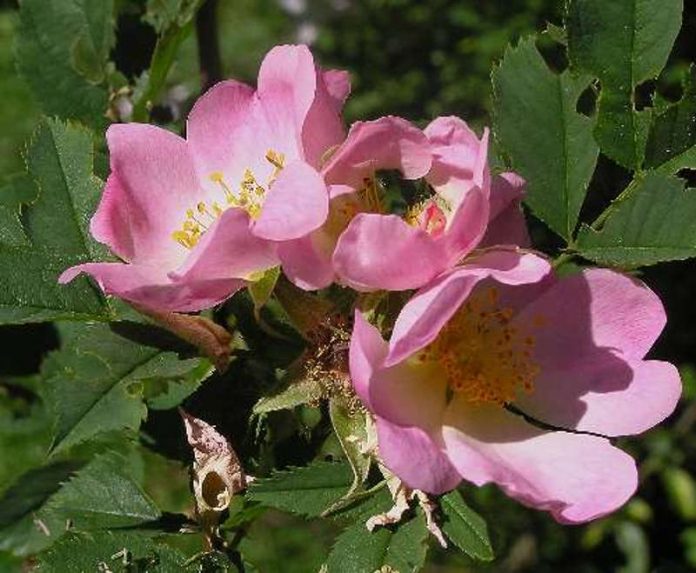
{"points": [[60, 162], [103, 495], [465, 528], [110, 551], [672, 140], [62, 50], [623, 43], [94, 383], [306, 491], [652, 222], [548, 142], [357, 550], [14, 194], [295, 390], [24, 525]]}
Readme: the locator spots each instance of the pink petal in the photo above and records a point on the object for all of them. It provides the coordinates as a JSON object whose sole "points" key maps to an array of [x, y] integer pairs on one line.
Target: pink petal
{"points": [[287, 86], [337, 84], [151, 185], [458, 156], [466, 228], [507, 225], [323, 128], [227, 250], [148, 286], [428, 311], [296, 204], [366, 354], [386, 143], [110, 224], [384, 252], [415, 458], [213, 126], [409, 395], [576, 477], [304, 264], [609, 310], [608, 396]]}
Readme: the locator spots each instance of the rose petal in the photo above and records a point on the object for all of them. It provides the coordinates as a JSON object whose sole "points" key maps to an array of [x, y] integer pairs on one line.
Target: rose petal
{"points": [[415, 458], [384, 252], [149, 287], [296, 204], [227, 250], [430, 308], [576, 477], [386, 143]]}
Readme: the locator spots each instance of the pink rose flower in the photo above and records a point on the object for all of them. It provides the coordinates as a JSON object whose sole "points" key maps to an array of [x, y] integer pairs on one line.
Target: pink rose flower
{"points": [[362, 246], [492, 340], [194, 219]]}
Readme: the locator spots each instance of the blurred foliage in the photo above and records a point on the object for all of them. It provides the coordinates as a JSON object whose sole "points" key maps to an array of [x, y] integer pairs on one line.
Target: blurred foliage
{"points": [[416, 59]]}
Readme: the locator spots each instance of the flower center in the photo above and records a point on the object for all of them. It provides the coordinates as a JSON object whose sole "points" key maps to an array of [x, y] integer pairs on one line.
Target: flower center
{"points": [[429, 216], [249, 196], [483, 357]]}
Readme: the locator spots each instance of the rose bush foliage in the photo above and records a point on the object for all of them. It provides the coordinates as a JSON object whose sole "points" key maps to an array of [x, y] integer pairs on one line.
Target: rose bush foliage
{"points": [[379, 277]]}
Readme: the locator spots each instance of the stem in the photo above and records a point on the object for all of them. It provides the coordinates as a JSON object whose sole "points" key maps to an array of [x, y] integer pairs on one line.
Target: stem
{"points": [[208, 44]]}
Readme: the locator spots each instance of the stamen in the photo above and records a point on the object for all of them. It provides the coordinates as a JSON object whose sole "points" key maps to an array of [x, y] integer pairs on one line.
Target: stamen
{"points": [[482, 357]]}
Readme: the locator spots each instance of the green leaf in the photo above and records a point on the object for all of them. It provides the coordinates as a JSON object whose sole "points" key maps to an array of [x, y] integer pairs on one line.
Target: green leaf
{"points": [[25, 429], [672, 141], [652, 221], [96, 381], [14, 194], [357, 550], [623, 43], [261, 290], [465, 528], [25, 526], [304, 491], [296, 389], [118, 552], [548, 142], [103, 495], [351, 430], [62, 51], [161, 14], [60, 162]]}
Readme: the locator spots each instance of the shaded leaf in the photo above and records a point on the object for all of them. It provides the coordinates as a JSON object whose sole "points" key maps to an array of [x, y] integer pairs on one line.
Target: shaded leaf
{"points": [[25, 525], [118, 551], [304, 491], [623, 43], [672, 141], [548, 142], [357, 550], [60, 162], [651, 222], [465, 528], [62, 50], [95, 382], [103, 495]]}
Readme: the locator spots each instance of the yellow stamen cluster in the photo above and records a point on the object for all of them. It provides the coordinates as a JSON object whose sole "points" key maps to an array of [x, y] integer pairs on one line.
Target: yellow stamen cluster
{"points": [[249, 197], [482, 356], [371, 195]]}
